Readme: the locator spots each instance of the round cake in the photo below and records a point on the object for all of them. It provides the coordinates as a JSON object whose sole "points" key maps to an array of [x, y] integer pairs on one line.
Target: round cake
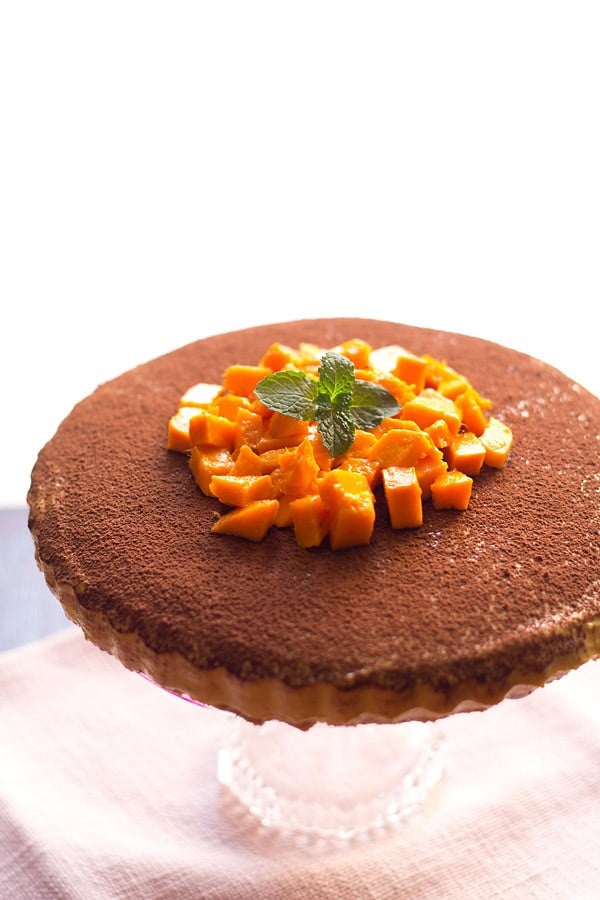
{"points": [[456, 615]]}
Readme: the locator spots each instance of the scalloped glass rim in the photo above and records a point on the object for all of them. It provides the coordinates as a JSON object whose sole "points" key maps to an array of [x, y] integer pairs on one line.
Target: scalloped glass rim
{"points": [[330, 781]]}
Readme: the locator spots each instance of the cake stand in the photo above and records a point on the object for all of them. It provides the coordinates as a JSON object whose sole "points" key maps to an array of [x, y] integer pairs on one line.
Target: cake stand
{"points": [[330, 782]]}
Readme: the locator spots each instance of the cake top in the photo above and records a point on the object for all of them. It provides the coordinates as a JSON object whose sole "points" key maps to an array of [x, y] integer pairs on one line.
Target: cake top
{"points": [[511, 583]]}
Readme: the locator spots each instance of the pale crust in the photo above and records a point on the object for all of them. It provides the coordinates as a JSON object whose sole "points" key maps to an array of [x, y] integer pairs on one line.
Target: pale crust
{"points": [[265, 699]]}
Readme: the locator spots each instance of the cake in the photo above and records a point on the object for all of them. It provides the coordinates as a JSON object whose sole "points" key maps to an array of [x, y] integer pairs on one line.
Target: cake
{"points": [[454, 616]]}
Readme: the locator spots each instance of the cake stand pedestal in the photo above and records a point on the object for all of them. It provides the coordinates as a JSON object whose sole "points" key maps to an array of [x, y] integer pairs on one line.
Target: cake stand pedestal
{"points": [[334, 782]]}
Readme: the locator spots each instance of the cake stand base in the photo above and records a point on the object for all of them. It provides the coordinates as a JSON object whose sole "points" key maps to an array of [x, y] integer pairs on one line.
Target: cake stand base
{"points": [[330, 782]]}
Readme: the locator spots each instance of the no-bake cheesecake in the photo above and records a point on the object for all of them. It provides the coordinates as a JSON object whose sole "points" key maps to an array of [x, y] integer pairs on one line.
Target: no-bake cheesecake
{"points": [[455, 615]]}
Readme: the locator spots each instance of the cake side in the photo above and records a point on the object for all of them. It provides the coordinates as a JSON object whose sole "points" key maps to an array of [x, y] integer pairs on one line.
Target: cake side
{"points": [[266, 699]]}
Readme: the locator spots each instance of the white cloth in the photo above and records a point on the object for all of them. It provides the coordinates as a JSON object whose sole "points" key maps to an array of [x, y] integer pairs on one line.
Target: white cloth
{"points": [[108, 790]]}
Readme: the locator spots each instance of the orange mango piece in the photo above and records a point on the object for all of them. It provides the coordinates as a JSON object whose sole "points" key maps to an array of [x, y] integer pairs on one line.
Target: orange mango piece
{"points": [[429, 406], [322, 457], [440, 434], [393, 422], [471, 413], [310, 353], [310, 520], [278, 356], [399, 389], [497, 440], [349, 500], [178, 433], [207, 428], [229, 405], [239, 490], [282, 426], [466, 453], [403, 364], [403, 497], [256, 406], [250, 428], [357, 351], [205, 462], [362, 443], [251, 522], [370, 468], [400, 447], [270, 459], [428, 469], [283, 519], [247, 462], [267, 443], [453, 387], [451, 490], [243, 379], [201, 395], [439, 372], [297, 470], [411, 369]]}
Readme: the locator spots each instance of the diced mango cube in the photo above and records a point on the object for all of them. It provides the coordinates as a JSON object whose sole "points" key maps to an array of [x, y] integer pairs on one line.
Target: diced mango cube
{"points": [[403, 497], [205, 462], [206, 428], [251, 522], [250, 428], [270, 459], [242, 380], [310, 520], [239, 490], [400, 447], [282, 426], [178, 434], [428, 469], [349, 500], [440, 433], [429, 406], [411, 369], [466, 453], [357, 351], [451, 490], [471, 413], [278, 356], [201, 394], [229, 405], [452, 387], [247, 462], [405, 365], [297, 470], [497, 440], [283, 519], [362, 443], [322, 456], [370, 468]]}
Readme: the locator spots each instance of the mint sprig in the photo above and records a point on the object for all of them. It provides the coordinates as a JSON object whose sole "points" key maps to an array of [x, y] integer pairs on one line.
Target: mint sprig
{"points": [[337, 401]]}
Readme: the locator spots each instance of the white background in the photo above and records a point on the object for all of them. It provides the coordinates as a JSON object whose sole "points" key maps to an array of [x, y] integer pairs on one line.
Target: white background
{"points": [[172, 170]]}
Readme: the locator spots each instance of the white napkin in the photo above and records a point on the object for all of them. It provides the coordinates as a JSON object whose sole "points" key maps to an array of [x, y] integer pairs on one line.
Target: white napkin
{"points": [[108, 790]]}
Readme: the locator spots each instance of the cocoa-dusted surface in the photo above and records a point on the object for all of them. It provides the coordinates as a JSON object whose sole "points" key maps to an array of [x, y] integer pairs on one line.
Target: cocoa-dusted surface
{"points": [[508, 584]]}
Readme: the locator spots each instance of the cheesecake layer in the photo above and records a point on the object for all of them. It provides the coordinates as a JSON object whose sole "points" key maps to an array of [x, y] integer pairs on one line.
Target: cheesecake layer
{"points": [[465, 610]]}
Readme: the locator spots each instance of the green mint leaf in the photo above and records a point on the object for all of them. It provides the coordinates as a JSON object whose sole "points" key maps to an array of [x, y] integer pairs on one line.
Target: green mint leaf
{"points": [[337, 401], [336, 427], [289, 392], [336, 377], [371, 404]]}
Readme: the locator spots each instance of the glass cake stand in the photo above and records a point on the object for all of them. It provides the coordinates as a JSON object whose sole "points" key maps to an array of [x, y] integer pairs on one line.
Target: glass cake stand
{"points": [[335, 782]]}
